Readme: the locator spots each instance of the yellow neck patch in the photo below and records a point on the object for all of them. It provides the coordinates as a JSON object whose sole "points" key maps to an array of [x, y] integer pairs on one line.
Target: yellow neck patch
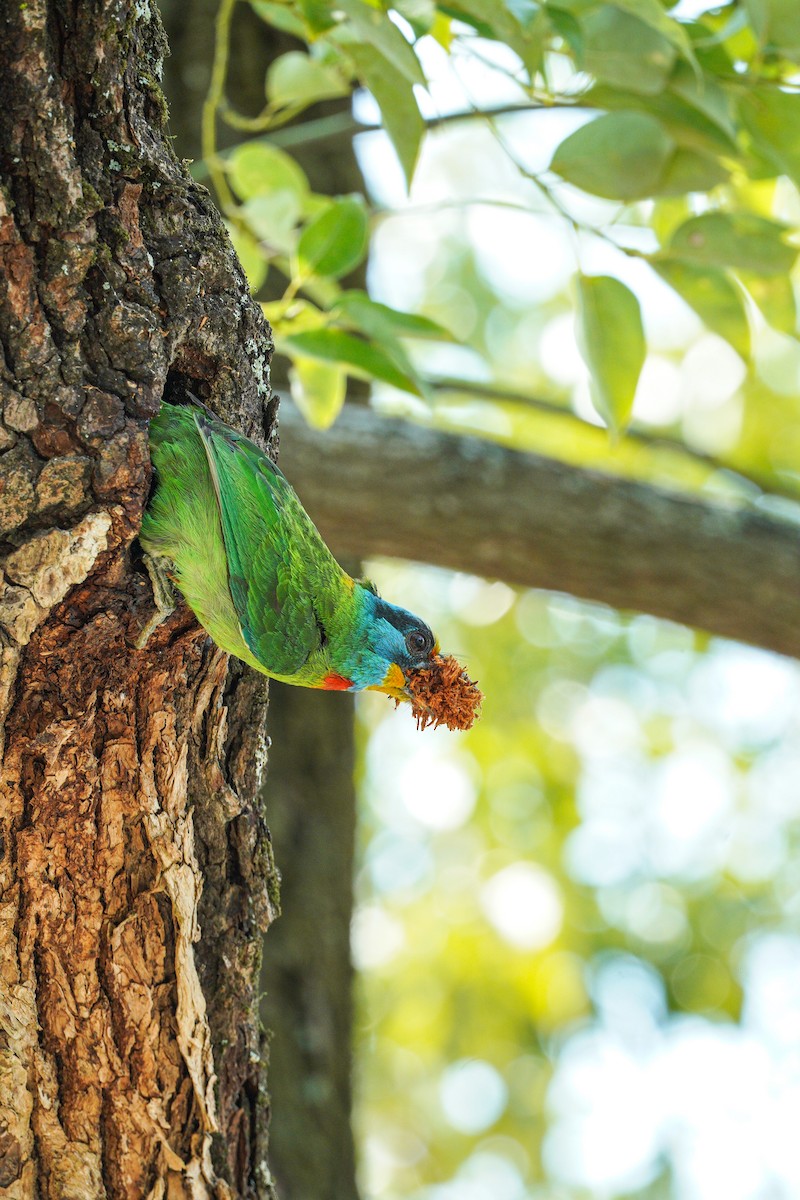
{"points": [[394, 684]]}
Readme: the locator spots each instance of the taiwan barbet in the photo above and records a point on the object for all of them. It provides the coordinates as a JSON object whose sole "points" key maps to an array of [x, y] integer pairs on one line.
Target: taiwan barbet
{"points": [[261, 581]]}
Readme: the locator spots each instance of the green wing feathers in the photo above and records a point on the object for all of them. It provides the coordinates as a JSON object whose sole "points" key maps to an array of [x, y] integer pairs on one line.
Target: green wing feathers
{"points": [[182, 524], [283, 580], [247, 557]]}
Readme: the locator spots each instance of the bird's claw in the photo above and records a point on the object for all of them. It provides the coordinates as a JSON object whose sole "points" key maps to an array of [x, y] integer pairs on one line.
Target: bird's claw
{"points": [[163, 594]]}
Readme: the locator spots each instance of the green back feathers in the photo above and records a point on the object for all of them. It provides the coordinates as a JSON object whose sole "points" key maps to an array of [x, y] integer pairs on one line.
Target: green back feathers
{"points": [[247, 557], [182, 523], [286, 586]]}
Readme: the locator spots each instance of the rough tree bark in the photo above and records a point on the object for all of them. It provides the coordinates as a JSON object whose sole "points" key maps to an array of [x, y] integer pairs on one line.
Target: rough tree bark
{"points": [[135, 870]]}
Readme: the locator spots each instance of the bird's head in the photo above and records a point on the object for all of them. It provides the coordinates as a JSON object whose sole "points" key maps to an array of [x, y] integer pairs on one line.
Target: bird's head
{"points": [[396, 642]]}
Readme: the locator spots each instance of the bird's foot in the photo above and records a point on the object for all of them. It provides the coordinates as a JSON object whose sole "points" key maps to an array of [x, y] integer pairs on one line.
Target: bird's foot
{"points": [[163, 594]]}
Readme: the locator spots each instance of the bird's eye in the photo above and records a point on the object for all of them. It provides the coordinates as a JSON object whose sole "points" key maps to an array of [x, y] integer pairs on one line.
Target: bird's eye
{"points": [[418, 642]]}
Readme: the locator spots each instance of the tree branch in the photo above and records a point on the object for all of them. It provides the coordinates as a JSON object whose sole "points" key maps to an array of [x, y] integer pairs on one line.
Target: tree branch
{"points": [[344, 125], [377, 486], [500, 394]]}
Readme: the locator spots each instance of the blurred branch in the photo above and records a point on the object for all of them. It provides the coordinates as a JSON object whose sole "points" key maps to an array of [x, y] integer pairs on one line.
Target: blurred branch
{"points": [[497, 393], [312, 131], [344, 124], [216, 91], [379, 486]]}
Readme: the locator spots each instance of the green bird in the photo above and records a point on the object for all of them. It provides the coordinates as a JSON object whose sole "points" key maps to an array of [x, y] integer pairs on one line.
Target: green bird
{"points": [[256, 572]]}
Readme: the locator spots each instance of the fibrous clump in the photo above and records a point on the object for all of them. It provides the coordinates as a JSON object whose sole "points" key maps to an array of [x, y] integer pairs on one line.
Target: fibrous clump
{"points": [[443, 694]]}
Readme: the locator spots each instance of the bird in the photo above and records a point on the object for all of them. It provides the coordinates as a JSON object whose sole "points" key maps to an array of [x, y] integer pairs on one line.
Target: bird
{"points": [[232, 534]]}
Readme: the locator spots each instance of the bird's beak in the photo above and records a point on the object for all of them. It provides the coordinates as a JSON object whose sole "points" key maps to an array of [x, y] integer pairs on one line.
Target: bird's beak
{"points": [[394, 684]]}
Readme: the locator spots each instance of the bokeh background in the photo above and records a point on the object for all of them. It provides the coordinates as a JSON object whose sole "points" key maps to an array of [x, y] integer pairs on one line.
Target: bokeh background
{"points": [[575, 929], [576, 925]]}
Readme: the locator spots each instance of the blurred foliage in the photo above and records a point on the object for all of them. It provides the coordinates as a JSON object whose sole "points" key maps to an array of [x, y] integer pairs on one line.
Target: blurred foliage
{"points": [[694, 115], [577, 923]]}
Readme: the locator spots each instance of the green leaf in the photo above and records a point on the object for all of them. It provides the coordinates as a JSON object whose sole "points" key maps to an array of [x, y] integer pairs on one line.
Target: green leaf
{"points": [[318, 14], [567, 28], [777, 24], [668, 151], [395, 97], [442, 29], [519, 24], [688, 171], [621, 156], [714, 297], [288, 317], [250, 255], [532, 44], [335, 241], [705, 96], [490, 18], [420, 14], [273, 219], [772, 118], [318, 390], [652, 14], [296, 79], [776, 299], [363, 358], [373, 26], [739, 240], [385, 326], [280, 16], [525, 12], [685, 124], [624, 52], [611, 338], [377, 319], [256, 169], [668, 213]]}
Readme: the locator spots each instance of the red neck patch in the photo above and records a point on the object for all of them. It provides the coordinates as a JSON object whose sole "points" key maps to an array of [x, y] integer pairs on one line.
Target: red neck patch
{"points": [[336, 683]]}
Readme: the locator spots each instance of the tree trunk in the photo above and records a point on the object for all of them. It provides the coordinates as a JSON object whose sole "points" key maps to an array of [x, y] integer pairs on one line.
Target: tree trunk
{"points": [[307, 976], [136, 874]]}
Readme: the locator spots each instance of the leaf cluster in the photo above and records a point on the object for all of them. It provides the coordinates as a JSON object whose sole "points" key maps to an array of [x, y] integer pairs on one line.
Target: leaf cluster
{"points": [[690, 127]]}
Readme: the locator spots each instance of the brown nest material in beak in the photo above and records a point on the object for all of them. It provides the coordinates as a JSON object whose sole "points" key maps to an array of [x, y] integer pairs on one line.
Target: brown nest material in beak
{"points": [[443, 694]]}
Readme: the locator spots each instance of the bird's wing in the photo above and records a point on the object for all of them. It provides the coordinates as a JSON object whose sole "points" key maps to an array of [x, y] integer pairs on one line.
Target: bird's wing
{"points": [[279, 569]]}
